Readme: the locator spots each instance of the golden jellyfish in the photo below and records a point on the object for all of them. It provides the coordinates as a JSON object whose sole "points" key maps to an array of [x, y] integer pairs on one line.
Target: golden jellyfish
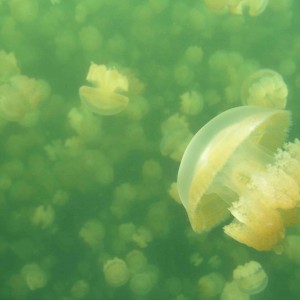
{"points": [[218, 6], [34, 276], [107, 95], [9, 66], [265, 88], [116, 272], [232, 166], [250, 277], [231, 291], [19, 98], [176, 136], [253, 7]]}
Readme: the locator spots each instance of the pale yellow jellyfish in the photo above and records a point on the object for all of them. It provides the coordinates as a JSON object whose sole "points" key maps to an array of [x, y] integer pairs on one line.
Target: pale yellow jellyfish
{"points": [[210, 285], [218, 6], [107, 96], [253, 7], [176, 136], [141, 283], [19, 98], [116, 272], [34, 276], [8, 65], [92, 233], [231, 166], [191, 103], [250, 278], [265, 88], [231, 291]]}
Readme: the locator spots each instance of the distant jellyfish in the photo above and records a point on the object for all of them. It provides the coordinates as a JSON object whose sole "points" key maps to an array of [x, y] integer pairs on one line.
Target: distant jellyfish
{"points": [[250, 277], [35, 277], [9, 66], [19, 98], [176, 136], [92, 233], [80, 289], [218, 6], [231, 291], [116, 272], [141, 283], [265, 88], [233, 165], [191, 103], [253, 7], [210, 285], [107, 96], [292, 248]]}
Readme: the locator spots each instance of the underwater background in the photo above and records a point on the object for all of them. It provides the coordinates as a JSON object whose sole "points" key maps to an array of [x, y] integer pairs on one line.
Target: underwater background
{"points": [[87, 201]]}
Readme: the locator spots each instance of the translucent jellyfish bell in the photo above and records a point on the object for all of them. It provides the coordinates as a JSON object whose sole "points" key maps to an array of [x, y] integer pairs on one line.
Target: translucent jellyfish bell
{"points": [[253, 7], [229, 167], [107, 94], [250, 277], [265, 88]]}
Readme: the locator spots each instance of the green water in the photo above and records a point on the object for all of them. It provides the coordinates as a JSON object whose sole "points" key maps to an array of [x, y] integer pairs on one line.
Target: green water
{"points": [[80, 191]]}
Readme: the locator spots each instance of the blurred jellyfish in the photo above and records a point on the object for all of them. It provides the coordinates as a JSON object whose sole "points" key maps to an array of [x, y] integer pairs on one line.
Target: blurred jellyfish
{"points": [[211, 285], [265, 88], [80, 289], [92, 233], [250, 278], [253, 7], [43, 216], [107, 94], [35, 277], [141, 283], [292, 248], [176, 136], [19, 98], [8, 65], [191, 103], [231, 291], [116, 272]]}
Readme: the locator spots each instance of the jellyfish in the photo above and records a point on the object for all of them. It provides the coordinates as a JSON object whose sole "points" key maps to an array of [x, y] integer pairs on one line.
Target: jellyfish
{"points": [[191, 103], [265, 88], [253, 7], [34, 276], [19, 98], [107, 94], [238, 7], [116, 272], [9, 66], [250, 277], [176, 136], [233, 165], [231, 291]]}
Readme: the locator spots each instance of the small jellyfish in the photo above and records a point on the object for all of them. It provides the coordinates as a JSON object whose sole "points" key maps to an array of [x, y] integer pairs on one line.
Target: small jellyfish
{"points": [[9, 66], [107, 94], [253, 7], [191, 103], [141, 283], [231, 291], [265, 88], [233, 165], [250, 278], [210, 285], [218, 6], [19, 98], [92, 233], [34, 276], [116, 272], [176, 136]]}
